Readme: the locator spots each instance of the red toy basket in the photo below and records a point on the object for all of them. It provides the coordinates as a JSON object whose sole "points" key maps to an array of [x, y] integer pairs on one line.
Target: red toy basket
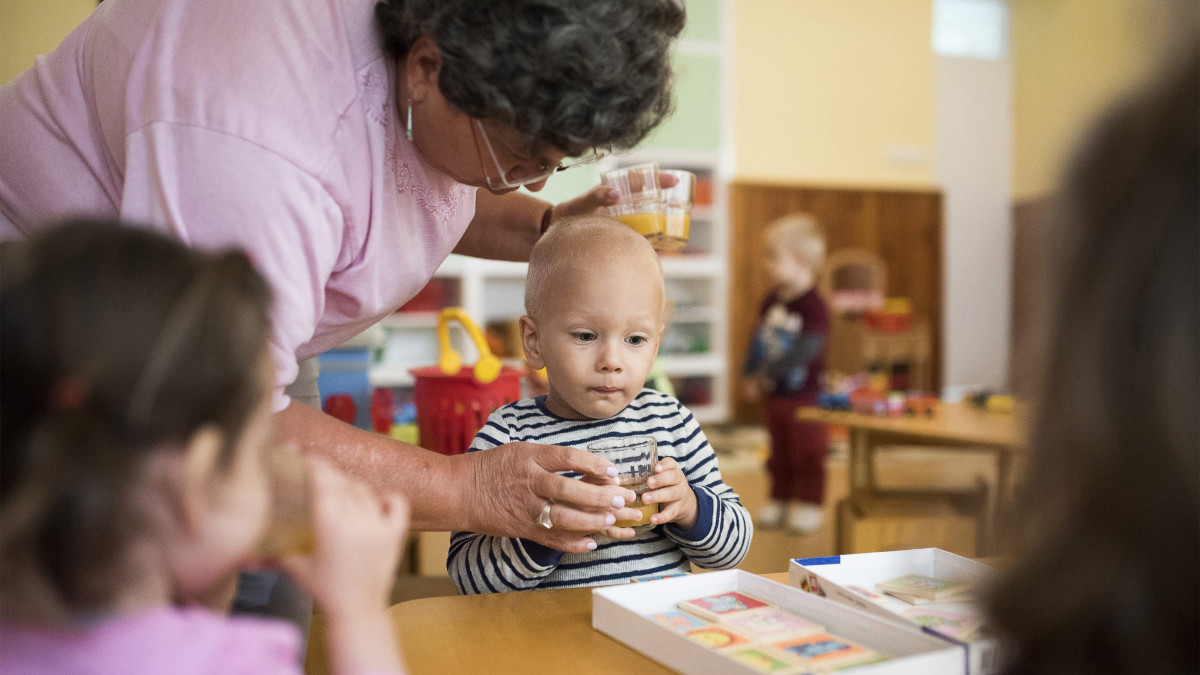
{"points": [[453, 403]]}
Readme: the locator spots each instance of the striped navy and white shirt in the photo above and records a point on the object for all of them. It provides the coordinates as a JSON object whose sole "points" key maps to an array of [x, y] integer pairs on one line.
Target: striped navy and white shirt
{"points": [[484, 564]]}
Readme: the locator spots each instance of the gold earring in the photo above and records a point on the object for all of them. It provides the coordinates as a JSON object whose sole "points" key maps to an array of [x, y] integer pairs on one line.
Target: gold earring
{"points": [[408, 126]]}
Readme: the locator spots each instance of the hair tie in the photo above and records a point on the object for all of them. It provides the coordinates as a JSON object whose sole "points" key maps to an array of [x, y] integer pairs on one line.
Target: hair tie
{"points": [[69, 393]]}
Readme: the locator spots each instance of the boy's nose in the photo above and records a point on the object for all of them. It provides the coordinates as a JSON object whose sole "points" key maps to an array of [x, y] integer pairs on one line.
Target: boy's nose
{"points": [[608, 361]]}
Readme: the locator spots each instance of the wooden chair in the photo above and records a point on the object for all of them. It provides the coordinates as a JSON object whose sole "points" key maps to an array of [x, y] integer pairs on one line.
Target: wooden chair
{"points": [[853, 281]]}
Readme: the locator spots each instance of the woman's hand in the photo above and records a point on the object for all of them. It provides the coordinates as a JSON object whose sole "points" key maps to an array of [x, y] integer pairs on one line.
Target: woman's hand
{"points": [[585, 204], [596, 198], [513, 482], [670, 489]]}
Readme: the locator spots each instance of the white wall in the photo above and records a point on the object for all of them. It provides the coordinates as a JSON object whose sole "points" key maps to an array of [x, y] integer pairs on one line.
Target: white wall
{"points": [[975, 164]]}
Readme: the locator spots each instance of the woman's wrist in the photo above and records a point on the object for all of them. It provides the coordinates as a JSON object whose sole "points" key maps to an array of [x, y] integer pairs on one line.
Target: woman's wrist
{"points": [[440, 499]]}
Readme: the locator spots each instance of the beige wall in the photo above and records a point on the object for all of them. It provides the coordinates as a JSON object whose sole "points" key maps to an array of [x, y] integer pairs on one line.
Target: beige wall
{"points": [[1070, 58], [32, 27], [834, 92], [843, 92]]}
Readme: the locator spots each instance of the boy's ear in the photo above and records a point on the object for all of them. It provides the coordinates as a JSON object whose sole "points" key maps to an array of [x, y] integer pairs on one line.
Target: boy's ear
{"points": [[199, 465], [530, 342]]}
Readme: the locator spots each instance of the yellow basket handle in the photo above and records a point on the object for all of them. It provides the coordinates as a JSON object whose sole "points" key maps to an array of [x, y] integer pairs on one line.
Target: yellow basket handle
{"points": [[487, 368]]}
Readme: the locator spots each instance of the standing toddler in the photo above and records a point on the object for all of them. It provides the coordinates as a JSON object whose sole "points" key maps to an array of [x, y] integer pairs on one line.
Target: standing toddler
{"points": [[784, 367]]}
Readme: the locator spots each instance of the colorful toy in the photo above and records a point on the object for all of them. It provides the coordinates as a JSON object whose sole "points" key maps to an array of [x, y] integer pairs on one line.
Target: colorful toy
{"points": [[827, 651], [714, 606], [678, 621], [717, 637], [769, 624], [452, 405]]}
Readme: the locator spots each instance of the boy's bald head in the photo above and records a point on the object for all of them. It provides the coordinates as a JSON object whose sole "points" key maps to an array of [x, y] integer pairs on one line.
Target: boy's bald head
{"points": [[584, 244]]}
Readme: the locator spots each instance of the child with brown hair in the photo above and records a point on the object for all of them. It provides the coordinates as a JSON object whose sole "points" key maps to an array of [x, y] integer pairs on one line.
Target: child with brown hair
{"points": [[1105, 580], [784, 367], [136, 408]]}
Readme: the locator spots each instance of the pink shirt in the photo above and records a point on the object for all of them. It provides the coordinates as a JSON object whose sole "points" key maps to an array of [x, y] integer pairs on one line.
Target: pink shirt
{"points": [[268, 125], [161, 640]]}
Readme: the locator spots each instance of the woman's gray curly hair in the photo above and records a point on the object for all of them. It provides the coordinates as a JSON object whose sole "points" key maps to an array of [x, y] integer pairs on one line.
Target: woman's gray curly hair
{"points": [[574, 74]]}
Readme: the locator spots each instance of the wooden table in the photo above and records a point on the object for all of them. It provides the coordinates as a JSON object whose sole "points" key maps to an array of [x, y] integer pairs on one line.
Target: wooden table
{"points": [[524, 632], [953, 426]]}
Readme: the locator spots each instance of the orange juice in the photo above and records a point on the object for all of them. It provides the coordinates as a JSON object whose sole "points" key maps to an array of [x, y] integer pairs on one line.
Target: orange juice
{"points": [[646, 509], [290, 527], [285, 536], [675, 231], [645, 224], [679, 225]]}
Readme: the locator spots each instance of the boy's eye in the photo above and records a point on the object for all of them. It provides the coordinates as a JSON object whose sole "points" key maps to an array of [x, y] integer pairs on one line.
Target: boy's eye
{"points": [[636, 340], [584, 336]]}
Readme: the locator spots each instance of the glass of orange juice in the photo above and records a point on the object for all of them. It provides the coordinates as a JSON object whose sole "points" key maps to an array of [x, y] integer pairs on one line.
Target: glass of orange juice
{"points": [[677, 205], [640, 205], [634, 457], [289, 529], [660, 214]]}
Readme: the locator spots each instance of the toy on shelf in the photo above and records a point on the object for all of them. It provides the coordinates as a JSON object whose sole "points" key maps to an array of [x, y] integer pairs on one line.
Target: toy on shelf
{"points": [[866, 394], [341, 407], [453, 403], [382, 405], [404, 424], [435, 295], [867, 401], [894, 317], [991, 401]]}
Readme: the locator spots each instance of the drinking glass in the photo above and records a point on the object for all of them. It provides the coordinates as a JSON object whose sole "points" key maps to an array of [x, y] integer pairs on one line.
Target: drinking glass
{"points": [[660, 214], [635, 458], [289, 529], [677, 205], [640, 204]]}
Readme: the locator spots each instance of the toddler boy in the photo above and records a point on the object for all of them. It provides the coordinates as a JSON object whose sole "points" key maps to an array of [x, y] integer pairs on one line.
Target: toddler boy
{"points": [[595, 304], [784, 365]]}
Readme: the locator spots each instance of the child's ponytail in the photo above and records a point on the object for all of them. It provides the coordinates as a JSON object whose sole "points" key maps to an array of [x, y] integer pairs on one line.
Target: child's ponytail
{"points": [[66, 510]]}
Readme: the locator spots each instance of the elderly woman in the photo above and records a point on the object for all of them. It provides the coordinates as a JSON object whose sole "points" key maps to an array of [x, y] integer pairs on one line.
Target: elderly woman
{"points": [[341, 144]]}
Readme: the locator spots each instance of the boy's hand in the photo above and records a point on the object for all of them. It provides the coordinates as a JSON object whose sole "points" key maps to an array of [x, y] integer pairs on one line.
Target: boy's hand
{"points": [[752, 389], [669, 487]]}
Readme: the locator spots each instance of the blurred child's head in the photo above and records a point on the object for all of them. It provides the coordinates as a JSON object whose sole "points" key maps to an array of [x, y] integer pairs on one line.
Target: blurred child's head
{"points": [[135, 404], [595, 304], [795, 252], [1111, 517]]}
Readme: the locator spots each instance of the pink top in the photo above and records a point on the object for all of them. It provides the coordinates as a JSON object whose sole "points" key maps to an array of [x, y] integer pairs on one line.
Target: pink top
{"points": [[161, 640], [269, 125]]}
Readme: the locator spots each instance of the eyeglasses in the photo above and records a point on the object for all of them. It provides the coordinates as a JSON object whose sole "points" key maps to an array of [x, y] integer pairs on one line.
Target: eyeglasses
{"points": [[528, 170]]}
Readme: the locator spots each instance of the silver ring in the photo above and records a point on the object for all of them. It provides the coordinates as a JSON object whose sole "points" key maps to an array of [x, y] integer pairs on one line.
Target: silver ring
{"points": [[543, 518]]}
